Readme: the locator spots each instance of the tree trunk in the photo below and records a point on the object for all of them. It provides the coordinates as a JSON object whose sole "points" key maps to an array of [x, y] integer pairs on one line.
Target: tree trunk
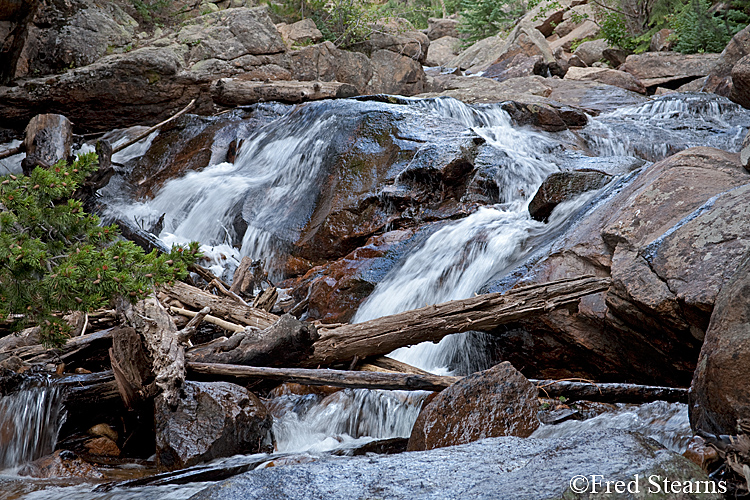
{"points": [[220, 306], [432, 323], [159, 333], [610, 393], [287, 342], [48, 140]]}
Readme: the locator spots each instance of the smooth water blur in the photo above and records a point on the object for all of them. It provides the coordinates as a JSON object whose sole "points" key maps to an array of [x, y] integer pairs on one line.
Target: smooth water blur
{"points": [[30, 420]]}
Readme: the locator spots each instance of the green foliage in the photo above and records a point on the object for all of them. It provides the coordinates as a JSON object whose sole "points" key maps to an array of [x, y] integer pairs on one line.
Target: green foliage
{"points": [[484, 18], [150, 9], [55, 258], [615, 30], [697, 29]]}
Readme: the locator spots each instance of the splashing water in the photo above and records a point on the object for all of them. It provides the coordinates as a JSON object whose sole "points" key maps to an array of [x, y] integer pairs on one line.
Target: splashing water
{"points": [[30, 420]]}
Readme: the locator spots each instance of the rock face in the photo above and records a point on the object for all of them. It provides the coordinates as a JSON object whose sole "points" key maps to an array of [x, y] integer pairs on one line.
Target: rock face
{"points": [[524, 53], [607, 76], [304, 31], [393, 73], [396, 35], [670, 240], [741, 82], [659, 68], [213, 419], [719, 396], [439, 28], [719, 79], [442, 50], [593, 51], [562, 186], [327, 63], [495, 402], [491, 468]]}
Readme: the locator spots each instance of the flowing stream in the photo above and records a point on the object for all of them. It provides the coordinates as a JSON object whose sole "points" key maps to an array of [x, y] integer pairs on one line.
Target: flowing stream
{"points": [[273, 186]]}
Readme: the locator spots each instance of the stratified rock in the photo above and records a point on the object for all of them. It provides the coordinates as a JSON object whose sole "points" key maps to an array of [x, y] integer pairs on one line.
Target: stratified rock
{"points": [[607, 76], [592, 51], [230, 34], [741, 82], [662, 41], [212, 420], [102, 446], [325, 62], [442, 50], [495, 402], [658, 68], [439, 28], [719, 395], [572, 19], [563, 186], [234, 92], [719, 80], [490, 468], [397, 74], [304, 31], [524, 53], [587, 29], [61, 35]]}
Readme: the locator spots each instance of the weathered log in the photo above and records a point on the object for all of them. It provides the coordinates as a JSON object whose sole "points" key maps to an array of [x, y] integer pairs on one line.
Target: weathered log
{"points": [[287, 342], [610, 392], [89, 399], [266, 299], [75, 351], [159, 333], [336, 378], [48, 139], [232, 327], [432, 323], [189, 330], [571, 390], [220, 306], [140, 237], [206, 274], [215, 284], [235, 92], [247, 277], [11, 152], [131, 366]]}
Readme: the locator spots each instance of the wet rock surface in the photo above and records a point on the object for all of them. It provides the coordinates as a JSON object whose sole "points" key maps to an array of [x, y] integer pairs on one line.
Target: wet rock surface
{"points": [[490, 468], [495, 402], [562, 186], [719, 395], [212, 419]]}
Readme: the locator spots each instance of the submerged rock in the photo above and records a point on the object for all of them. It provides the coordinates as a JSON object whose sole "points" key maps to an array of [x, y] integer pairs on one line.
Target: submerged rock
{"points": [[504, 467], [495, 402], [562, 186], [212, 420]]}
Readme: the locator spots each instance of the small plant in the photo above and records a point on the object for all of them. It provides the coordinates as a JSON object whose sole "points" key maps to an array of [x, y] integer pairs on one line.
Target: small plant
{"points": [[55, 258], [484, 18]]}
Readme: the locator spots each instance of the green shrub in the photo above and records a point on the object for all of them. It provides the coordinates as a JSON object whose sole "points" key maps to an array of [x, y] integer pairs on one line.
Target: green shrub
{"points": [[483, 18], [697, 29], [55, 258]]}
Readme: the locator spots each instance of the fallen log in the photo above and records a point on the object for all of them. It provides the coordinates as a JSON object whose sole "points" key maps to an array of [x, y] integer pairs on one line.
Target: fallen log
{"points": [[336, 378], [432, 323], [287, 342], [220, 307], [235, 92], [232, 327], [571, 390]]}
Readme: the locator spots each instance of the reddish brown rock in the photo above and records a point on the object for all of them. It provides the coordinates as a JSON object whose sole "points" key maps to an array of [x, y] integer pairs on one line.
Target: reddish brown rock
{"points": [[658, 68], [393, 73], [700, 453], [607, 76], [524, 53], [562, 186], [719, 80], [60, 464], [102, 446], [662, 41], [719, 394], [741, 82], [496, 402]]}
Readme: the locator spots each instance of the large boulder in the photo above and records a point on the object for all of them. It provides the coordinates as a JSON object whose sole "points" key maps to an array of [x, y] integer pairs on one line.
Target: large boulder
{"points": [[719, 79], [662, 41], [659, 68], [669, 240], [740, 92], [398, 36], [607, 76], [442, 50], [719, 395], [230, 34], [393, 73], [440, 27], [592, 51], [491, 468], [212, 420], [325, 62], [586, 30], [495, 402], [304, 31], [525, 52], [59, 35]]}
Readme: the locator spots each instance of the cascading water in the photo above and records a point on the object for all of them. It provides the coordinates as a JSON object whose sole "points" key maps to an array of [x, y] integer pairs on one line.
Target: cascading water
{"points": [[30, 419]]}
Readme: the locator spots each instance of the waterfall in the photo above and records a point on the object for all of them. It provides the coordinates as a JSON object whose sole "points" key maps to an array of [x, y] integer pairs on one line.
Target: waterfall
{"points": [[30, 420]]}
